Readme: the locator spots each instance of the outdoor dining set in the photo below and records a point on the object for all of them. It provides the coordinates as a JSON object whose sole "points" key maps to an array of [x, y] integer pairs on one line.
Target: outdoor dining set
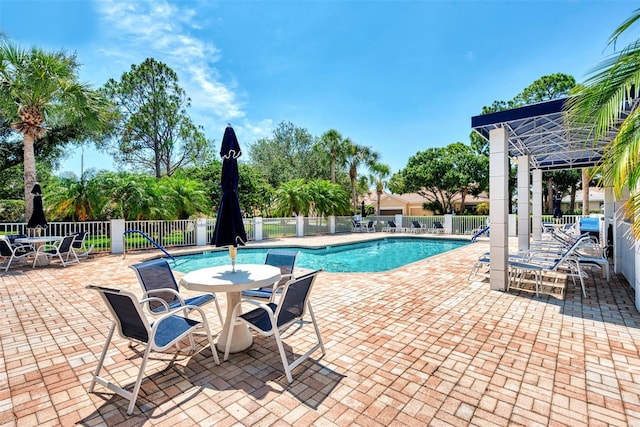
{"points": [[164, 316], [40, 250]]}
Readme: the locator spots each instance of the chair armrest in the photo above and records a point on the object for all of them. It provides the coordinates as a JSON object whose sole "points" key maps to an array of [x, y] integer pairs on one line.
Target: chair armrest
{"points": [[156, 299], [165, 290]]}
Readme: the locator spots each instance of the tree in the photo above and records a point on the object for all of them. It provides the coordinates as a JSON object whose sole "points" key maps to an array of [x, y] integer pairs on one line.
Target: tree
{"points": [[288, 154], [358, 155], [599, 106], [291, 198], [315, 197], [44, 92], [438, 174], [153, 130], [332, 143], [254, 192], [379, 173]]}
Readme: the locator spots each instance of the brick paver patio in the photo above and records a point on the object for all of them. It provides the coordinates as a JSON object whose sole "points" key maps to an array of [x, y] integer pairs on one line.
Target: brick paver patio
{"points": [[419, 345]]}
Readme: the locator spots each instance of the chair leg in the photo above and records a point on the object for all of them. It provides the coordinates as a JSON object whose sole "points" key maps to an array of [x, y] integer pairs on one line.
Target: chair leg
{"points": [[230, 333], [283, 355], [136, 387], [215, 300], [102, 356], [315, 325], [210, 340]]}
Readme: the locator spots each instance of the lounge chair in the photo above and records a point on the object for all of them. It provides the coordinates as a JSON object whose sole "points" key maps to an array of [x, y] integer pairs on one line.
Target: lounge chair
{"points": [[539, 264], [390, 227], [286, 262], [58, 249], [274, 318], [416, 227], [157, 280], [437, 228], [131, 324], [14, 252]]}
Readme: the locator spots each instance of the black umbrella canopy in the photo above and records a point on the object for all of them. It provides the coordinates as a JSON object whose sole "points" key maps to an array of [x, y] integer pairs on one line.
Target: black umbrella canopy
{"points": [[37, 219], [557, 209], [229, 230]]}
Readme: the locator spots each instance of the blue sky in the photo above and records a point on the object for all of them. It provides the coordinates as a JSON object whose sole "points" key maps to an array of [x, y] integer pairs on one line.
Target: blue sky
{"points": [[398, 76]]}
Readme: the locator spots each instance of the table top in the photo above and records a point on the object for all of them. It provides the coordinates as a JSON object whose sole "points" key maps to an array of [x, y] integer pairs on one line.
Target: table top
{"points": [[223, 279], [42, 239]]}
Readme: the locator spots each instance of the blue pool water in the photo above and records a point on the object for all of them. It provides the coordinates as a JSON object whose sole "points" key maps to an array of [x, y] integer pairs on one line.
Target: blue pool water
{"points": [[372, 256]]}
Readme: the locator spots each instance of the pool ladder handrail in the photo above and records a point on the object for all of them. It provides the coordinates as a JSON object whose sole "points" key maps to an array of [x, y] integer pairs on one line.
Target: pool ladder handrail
{"points": [[156, 244]]}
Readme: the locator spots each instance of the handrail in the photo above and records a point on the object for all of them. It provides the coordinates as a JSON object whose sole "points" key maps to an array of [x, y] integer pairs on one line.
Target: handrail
{"points": [[156, 244], [479, 233]]}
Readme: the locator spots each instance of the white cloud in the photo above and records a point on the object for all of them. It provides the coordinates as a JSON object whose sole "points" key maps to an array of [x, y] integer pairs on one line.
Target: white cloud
{"points": [[161, 30], [469, 56]]}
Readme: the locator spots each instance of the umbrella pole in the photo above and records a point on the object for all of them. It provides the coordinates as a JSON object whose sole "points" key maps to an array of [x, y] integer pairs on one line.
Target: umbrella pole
{"points": [[233, 252]]}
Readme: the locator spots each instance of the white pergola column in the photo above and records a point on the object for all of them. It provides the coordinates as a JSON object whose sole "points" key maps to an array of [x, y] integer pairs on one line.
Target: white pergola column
{"points": [[499, 207], [536, 195], [524, 211]]}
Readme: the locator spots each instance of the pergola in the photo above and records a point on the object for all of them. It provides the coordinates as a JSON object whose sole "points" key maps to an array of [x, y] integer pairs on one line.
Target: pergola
{"points": [[539, 139]]}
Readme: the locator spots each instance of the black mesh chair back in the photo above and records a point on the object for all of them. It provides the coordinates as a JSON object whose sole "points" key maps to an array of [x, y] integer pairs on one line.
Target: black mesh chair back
{"points": [[5, 249], [156, 274], [294, 300], [284, 260], [156, 278]]}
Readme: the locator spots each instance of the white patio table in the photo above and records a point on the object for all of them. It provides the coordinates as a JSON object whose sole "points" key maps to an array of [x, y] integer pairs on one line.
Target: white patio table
{"points": [[37, 242], [223, 279]]}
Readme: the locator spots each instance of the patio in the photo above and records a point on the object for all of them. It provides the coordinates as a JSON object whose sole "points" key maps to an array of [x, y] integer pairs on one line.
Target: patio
{"points": [[417, 345]]}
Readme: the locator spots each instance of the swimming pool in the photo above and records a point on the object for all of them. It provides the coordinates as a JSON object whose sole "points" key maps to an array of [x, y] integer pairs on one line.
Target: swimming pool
{"points": [[371, 256]]}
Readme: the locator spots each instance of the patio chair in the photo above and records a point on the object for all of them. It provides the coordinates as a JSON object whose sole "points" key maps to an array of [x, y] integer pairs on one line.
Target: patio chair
{"points": [[14, 252], [370, 228], [131, 323], [390, 227], [286, 262], [437, 228], [79, 245], [157, 280], [416, 227], [357, 225], [273, 319], [58, 249]]}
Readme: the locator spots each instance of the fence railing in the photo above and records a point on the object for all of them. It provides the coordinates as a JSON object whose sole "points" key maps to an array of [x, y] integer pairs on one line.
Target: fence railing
{"points": [[185, 232]]}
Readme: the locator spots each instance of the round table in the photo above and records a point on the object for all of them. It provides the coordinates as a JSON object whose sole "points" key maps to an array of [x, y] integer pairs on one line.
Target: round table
{"points": [[42, 259], [223, 279]]}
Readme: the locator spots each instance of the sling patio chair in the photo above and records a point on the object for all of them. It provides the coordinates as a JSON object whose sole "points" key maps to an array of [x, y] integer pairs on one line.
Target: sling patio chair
{"points": [[58, 249], [437, 228], [272, 319], [357, 226], [390, 227], [131, 323], [79, 245], [157, 280], [14, 252], [370, 228], [286, 262], [416, 227]]}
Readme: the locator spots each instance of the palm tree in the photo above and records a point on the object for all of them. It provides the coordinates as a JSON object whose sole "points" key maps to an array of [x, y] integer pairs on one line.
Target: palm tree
{"points": [[379, 177], [358, 155], [44, 89], [291, 198], [333, 142], [602, 104]]}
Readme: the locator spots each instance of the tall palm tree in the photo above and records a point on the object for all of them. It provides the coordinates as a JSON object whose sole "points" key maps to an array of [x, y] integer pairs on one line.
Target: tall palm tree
{"points": [[379, 178], [602, 104], [335, 145], [44, 89], [358, 155]]}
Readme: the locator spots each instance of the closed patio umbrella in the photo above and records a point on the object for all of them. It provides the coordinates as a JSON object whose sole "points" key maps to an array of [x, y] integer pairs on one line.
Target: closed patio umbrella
{"points": [[557, 202], [37, 220], [229, 230]]}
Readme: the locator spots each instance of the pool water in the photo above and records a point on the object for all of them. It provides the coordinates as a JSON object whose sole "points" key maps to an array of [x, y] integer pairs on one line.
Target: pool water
{"points": [[372, 256]]}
